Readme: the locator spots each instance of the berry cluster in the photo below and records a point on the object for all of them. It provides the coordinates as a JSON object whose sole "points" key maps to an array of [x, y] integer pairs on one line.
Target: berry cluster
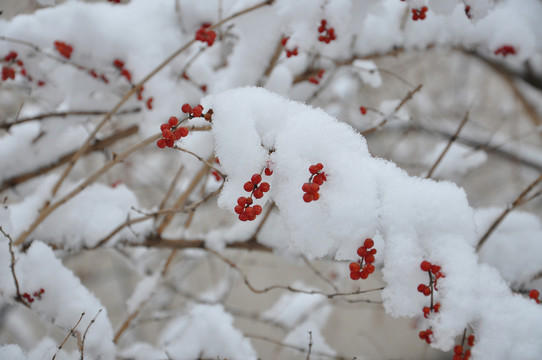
{"points": [[204, 34], [9, 71], [535, 294], [256, 188], [95, 75], [316, 179], [215, 173], [463, 354], [64, 49], [328, 34], [195, 111], [289, 53], [419, 14], [124, 72], [316, 79], [363, 110], [35, 296], [505, 50], [467, 11], [364, 267], [426, 335], [171, 132]]}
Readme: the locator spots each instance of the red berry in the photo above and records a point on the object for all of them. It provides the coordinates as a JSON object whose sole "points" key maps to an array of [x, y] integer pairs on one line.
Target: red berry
{"points": [[354, 275], [186, 108], [183, 131], [243, 217], [165, 127], [118, 63], [307, 197], [249, 201], [314, 188], [306, 187], [173, 121], [427, 291], [197, 110], [268, 171], [256, 178], [425, 266], [249, 186], [368, 243], [370, 268], [167, 134], [436, 307], [257, 209], [313, 169], [161, 143], [363, 274], [470, 340], [426, 311], [258, 193], [265, 187], [242, 201], [149, 103], [362, 251], [421, 287], [370, 258], [458, 350], [315, 196], [249, 211], [177, 134], [354, 266], [238, 209]]}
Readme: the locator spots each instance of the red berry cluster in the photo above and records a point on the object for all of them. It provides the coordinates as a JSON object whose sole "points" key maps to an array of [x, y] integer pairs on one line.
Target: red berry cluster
{"points": [[64, 49], [463, 354], [467, 11], [36, 295], [535, 294], [124, 72], [426, 335], [204, 34], [427, 310], [256, 188], [316, 179], [364, 267], [505, 50], [171, 132], [328, 34], [13, 61], [215, 173], [195, 111], [289, 53], [434, 274], [95, 75], [419, 14], [363, 110], [316, 79]]}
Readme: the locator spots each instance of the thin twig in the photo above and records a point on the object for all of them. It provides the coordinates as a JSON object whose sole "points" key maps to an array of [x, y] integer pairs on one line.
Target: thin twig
{"points": [[72, 331], [520, 200], [98, 145], [18, 296], [289, 288], [85, 334], [450, 142], [171, 188], [262, 222], [318, 273], [7, 125], [397, 108], [310, 346], [211, 165]]}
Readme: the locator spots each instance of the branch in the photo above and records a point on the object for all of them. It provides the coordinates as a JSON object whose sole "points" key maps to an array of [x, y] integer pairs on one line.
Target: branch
{"points": [[520, 200], [98, 145], [82, 347], [18, 296], [450, 142], [72, 331]]}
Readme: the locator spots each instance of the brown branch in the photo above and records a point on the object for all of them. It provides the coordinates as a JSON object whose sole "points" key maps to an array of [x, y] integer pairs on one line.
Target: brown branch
{"points": [[72, 331], [137, 87], [520, 200], [318, 273], [397, 108], [171, 188], [46, 211], [18, 296], [450, 142], [289, 288], [156, 241], [82, 347], [7, 125], [310, 346], [98, 145]]}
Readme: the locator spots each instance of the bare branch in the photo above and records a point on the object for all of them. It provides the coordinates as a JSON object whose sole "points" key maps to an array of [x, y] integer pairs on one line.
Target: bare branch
{"points": [[72, 331], [82, 347]]}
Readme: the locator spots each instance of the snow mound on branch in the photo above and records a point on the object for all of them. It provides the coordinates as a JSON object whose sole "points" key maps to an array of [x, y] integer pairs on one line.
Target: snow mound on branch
{"points": [[418, 219]]}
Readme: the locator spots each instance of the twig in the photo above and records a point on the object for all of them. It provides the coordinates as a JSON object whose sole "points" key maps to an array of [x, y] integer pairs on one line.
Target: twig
{"points": [[72, 331], [289, 288], [82, 347], [262, 222], [310, 346], [46, 211], [7, 125], [171, 187], [97, 146], [200, 159], [137, 87], [293, 347], [520, 200], [397, 108], [18, 296], [318, 273], [450, 142]]}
